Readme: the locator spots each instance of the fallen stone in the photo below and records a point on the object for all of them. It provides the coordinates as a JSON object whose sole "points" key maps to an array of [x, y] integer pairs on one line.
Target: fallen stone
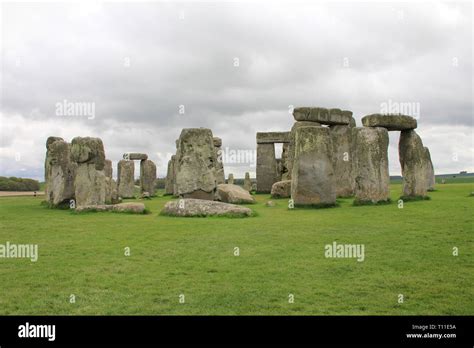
{"points": [[229, 193], [322, 115], [199, 208], [370, 165], [390, 122], [312, 179], [270, 204], [135, 208], [281, 189]]}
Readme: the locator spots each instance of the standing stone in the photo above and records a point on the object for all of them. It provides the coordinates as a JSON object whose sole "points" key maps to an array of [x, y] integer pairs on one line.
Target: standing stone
{"points": [[220, 176], [247, 182], [169, 185], [430, 174], [284, 161], [267, 170], [230, 180], [111, 194], [196, 164], [147, 176], [414, 165], [370, 165], [342, 160], [90, 183], [126, 179], [291, 145], [59, 172], [312, 179]]}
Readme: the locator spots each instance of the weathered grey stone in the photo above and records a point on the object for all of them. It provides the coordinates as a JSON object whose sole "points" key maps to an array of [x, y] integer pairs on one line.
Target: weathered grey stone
{"points": [[291, 147], [284, 161], [273, 137], [370, 165], [147, 176], [108, 171], [312, 179], [169, 184], [430, 174], [230, 179], [235, 194], [390, 122], [135, 208], [247, 182], [196, 164], [414, 165], [88, 150], [220, 176], [134, 156], [267, 170], [90, 185], [270, 204], [342, 160], [281, 189], [199, 208], [322, 115], [126, 178], [111, 191], [59, 172]]}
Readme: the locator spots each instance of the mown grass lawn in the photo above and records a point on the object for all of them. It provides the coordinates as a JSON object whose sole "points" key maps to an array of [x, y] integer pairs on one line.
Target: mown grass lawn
{"points": [[408, 251]]}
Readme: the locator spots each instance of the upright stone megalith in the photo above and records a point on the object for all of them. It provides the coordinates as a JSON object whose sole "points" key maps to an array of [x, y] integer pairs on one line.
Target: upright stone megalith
{"points": [[126, 178], [60, 172], [90, 183], [230, 179], [430, 174], [290, 157], [415, 165], [312, 178], [196, 164], [111, 193], [220, 176], [247, 182], [370, 165], [342, 160], [267, 169], [147, 176], [169, 184]]}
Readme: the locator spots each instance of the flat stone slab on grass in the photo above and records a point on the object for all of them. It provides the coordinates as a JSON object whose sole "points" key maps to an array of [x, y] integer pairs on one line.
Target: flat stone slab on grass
{"points": [[390, 122], [135, 208], [189, 207], [322, 115], [235, 194]]}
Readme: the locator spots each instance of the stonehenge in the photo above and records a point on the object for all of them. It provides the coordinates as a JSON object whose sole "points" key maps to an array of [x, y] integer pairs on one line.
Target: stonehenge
{"points": [[324, 156], [330, 154], [189, 207]]}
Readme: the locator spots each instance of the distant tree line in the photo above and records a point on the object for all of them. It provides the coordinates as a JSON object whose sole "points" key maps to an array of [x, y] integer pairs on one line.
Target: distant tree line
{"points": [[18, 184]]}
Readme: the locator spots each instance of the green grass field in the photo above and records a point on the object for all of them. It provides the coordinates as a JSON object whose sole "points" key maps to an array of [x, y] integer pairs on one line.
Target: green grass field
{"points": [[407, 251]]}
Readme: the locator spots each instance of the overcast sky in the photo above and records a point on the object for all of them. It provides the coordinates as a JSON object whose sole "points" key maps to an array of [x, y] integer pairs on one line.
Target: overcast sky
{"points": [[233, 67]]}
